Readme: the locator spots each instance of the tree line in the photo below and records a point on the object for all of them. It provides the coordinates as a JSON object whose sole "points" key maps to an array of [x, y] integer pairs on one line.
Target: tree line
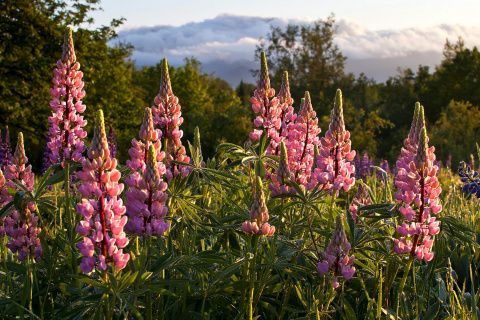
{"points": [[377, 114]]}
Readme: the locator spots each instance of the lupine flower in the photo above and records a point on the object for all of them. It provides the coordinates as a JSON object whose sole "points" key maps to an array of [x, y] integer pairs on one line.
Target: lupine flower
{"points": [[279, 128], [101, 208], [334, 169], [470, 178], [418, 190], [385, 166], [66, 126], [364, 169], [258, 223], [5, 198], [167, 116], [22, 225], [362, 198], [5, 151], [302, 137], [112, 142], [336, 258], [146, 197], [279, 184], [46, 161], [265, 105]]}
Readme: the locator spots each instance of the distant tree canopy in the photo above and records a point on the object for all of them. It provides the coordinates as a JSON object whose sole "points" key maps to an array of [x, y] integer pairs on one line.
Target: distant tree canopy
{"points": [[378, 115]]}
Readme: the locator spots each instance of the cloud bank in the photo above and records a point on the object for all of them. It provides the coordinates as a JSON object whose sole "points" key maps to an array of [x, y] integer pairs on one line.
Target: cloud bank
{"points": [[226, 44]]}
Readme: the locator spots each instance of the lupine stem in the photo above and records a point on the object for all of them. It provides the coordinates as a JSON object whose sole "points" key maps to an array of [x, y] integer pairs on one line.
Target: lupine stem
{"points": [[252, 278], [402, 283]]}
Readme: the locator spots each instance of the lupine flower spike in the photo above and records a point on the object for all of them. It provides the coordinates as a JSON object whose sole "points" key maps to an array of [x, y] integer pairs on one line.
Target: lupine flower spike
{"points": [[362, 198], [5, 151], [334, 168], [102, 209], [302, 137], [419, 190], [66, 126], [258, 223], [112, 142], [470, 178], [167, 116], [279, 184], [22, 225], [385, 166], [336, 258], [4, 199], [146, 206], [264, 104]]}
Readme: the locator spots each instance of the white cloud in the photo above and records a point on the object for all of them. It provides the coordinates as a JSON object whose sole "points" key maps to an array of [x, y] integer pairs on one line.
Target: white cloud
{"points": [[230, 40]]}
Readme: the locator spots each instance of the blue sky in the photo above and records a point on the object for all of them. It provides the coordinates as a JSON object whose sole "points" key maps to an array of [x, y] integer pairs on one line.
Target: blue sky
{"points": [[376, 36]]}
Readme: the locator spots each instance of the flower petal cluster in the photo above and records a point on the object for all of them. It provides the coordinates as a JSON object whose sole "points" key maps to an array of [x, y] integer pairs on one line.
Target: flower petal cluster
{"points": [[112, 142], [363, 167], [280, 180], [334, 168], [22, 225], [167, 116], [336, 258], [385, 166], [5, 150], [5, 198], [302, 139], [470, 178], [66, 126], [265, 107], [418, 190], [101, 208], [147, 197], [258, 223], [362, 198]]}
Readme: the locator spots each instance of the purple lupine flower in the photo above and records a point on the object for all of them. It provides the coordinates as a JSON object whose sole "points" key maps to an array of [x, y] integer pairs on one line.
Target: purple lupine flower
{"points": [[258, 223], [5, 198], [46, 161], [167, 116], [385, 166], [302, 138], [419, 190], [5, 151], [112, 142], [22, 225], [66, 126], [336, 258], [334, 169], [362, 198], [147, 197], [101, 207], [364, 168]]}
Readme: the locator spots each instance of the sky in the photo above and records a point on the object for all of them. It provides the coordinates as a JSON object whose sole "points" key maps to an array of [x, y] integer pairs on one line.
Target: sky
{"points": [[376, 36]]}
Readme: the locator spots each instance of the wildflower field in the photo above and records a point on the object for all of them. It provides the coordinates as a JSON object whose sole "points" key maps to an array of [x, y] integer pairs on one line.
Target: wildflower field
{"points": [[292, 224]]}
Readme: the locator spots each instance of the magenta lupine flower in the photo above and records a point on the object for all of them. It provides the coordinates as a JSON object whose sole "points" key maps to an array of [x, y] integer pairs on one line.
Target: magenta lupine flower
{"points": [[334, 167], [336, 258], [66, 126], [362, 198], [112, 142], [302, 138], [258, 223], [5, 198], [22, 226], [280, 179], [147, 197], [418, 190], [265, 106], [101, 208], [46, 161], [167, 116], [5, 151]]}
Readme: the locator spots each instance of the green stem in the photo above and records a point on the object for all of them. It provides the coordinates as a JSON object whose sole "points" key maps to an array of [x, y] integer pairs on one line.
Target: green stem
{"points": [[252, 278], [402, 283], [67, 199], [330, 211]]}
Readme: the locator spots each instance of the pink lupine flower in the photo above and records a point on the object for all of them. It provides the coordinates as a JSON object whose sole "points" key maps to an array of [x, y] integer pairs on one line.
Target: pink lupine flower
{"points": [[66, 126], [167, 116], [5, 198], [22, 225], [265, 106], [361, 199], [336, 258], [101, 208], [334, 168], [280, 179], [258, 223], [418, 190], [147, 199], [302, 138]]}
